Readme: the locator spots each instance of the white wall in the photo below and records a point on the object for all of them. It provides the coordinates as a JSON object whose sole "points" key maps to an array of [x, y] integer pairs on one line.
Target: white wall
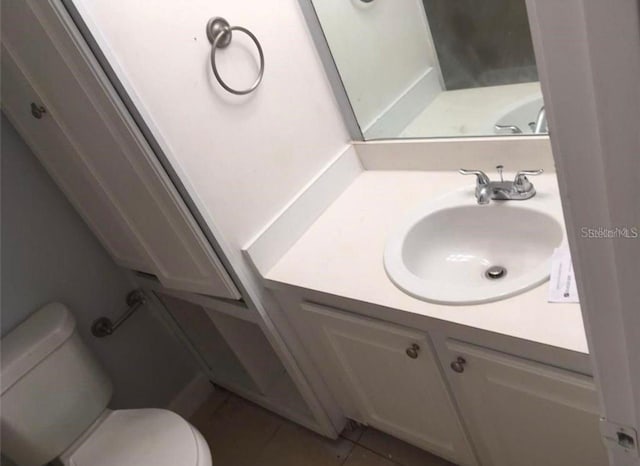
{"points": [[244, 158], [380, 48], [49, 254], [241, 159]]}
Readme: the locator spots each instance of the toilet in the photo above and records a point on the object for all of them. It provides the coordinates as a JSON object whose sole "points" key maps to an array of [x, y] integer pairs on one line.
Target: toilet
{"points": [[54, 405]]}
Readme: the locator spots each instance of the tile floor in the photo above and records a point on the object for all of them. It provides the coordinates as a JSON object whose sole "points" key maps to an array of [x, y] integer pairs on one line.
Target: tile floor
{"points": [[241, 433]]}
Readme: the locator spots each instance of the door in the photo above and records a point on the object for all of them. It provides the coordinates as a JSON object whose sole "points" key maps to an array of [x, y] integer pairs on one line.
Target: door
{"points": [[392, 379], [521, 413], [87, 141], [588, 54]]}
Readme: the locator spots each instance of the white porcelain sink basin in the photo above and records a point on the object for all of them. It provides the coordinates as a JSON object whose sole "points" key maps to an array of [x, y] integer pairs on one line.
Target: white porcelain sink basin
{"points": [[453, 251]]}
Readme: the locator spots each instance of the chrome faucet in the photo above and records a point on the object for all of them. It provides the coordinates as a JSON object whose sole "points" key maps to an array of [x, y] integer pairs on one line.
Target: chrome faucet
{"points": [[517, 190], [508, 129], [540, 125]]}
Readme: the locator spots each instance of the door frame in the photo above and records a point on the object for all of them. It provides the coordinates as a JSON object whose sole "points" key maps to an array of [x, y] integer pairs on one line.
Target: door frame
{"points": [[588, 55]]}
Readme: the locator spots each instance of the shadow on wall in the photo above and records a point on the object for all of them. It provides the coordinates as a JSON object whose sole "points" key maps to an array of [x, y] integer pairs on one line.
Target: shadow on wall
{"points": [[49, 254], [484, 43]]}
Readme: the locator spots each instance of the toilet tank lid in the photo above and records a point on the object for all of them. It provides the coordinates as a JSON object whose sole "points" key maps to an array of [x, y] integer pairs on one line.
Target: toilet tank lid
{"points": [[33, 340]]}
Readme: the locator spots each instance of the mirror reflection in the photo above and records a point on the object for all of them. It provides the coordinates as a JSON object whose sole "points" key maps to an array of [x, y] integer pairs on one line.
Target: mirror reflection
{"points": [[435, 68]]}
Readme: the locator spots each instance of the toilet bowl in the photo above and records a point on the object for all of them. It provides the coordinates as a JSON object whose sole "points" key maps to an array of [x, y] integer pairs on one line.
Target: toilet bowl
{"points": [[139, 437], [54, 405]]}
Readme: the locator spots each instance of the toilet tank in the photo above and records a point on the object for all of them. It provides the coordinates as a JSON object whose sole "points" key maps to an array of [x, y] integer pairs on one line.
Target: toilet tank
{"points": [[53, 388]]}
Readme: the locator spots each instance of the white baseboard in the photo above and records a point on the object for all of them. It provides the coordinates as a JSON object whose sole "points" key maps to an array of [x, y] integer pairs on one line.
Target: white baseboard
{"points": [[192, 396]]}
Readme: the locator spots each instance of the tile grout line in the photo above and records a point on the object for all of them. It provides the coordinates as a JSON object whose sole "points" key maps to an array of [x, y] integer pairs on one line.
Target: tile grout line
{"points": [[348, 455], [217, 408], [380, 454], [355, 443], [224, 402], [271, 438], [389, 458]]}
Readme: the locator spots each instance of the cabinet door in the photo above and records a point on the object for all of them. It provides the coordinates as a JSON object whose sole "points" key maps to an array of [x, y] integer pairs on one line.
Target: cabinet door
{"points": [[521, 413], [391, 391], [89, 144]]}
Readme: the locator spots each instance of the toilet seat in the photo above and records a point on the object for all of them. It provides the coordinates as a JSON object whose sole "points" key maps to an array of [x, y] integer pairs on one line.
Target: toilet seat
{"points": [[140, 437]]}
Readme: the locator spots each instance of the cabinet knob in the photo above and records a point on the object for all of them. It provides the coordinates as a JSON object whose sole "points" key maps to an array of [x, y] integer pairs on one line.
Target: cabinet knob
{"points": [[37, 110], [413, 351], [458, 365]]}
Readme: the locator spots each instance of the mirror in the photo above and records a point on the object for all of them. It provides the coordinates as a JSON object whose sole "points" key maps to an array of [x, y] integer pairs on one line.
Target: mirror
{"points": [[433, 68]]}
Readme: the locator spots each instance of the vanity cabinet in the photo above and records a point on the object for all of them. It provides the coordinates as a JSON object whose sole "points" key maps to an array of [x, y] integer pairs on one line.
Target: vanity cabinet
{"points": [[387, 377], [521, 413], [449, 395]]}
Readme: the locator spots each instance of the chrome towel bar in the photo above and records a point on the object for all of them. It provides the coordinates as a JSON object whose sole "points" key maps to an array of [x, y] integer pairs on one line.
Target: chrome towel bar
{"points": [[103, 326], [219, 33]]}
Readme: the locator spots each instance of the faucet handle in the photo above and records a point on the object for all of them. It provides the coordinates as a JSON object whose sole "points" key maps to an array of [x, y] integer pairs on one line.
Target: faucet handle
{"points": [[507, 129], [522, 183], [482, 176], [539, 171]]}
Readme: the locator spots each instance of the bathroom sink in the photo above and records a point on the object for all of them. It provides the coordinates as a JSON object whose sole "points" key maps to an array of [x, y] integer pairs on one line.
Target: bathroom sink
{"points": [[453, 251]]}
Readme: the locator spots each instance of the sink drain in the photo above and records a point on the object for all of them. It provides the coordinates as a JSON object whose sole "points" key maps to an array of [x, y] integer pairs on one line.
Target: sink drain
{"points": [[495, 272]]}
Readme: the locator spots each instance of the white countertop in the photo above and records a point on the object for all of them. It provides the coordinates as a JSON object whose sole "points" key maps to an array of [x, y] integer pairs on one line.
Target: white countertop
{"points": [[341, 254]]}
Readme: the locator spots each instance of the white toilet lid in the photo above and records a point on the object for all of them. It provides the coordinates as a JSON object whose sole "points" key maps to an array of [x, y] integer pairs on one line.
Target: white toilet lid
{"points": [[140, 437]]}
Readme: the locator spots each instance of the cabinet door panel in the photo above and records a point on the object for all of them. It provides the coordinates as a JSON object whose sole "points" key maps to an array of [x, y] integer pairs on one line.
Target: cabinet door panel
{"points": [[527, 414], [70, 176], [393, 392], [94, 151]]}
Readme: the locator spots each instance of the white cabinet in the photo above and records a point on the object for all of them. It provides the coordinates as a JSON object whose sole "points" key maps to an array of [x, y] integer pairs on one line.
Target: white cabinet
{"points": [[90, 146], [233, 350], [517, 412], [521, 413], [387, 377]]}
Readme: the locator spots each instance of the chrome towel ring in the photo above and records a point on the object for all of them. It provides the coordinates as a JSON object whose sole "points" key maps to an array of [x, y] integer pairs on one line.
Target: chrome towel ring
{"points": [[219, 33]]}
